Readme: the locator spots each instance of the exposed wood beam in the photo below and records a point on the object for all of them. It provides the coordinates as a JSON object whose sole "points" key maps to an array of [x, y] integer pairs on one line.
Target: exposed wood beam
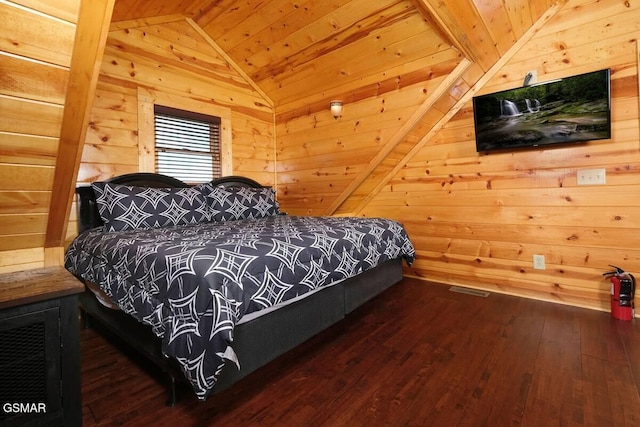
{"points": [[231, 62], [463, 27], [464, 99], [415, 118], [446, 28], [91, 36]]}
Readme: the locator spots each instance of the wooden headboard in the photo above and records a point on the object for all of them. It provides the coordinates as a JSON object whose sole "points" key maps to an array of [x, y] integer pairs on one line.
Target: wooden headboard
{"points": [[89, 217]]}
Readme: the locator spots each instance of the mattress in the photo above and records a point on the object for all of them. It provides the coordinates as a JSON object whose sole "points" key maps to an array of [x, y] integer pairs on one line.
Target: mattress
{"points": [[192, 284]]}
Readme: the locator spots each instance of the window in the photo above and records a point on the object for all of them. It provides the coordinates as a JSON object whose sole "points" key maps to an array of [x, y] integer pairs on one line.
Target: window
{"points": [[187, 144]]}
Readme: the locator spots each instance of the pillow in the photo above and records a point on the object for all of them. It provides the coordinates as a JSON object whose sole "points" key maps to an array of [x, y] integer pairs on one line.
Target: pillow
{"points": [[233, 203], [124, 207]]}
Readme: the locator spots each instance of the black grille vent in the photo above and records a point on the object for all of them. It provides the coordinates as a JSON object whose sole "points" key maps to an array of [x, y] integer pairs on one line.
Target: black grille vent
{"points": [[23, 365]]}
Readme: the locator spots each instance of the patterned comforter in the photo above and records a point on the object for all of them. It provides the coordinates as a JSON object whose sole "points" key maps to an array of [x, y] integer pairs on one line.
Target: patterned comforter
{"points": [[193, 283]]}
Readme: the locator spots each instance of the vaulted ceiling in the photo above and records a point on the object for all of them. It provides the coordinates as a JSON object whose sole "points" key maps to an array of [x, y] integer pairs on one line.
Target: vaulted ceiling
{"points": [[298, 54], [288, 48]]}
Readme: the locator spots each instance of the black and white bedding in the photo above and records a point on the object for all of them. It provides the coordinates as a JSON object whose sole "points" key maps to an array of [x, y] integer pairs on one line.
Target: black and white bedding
{"points": [[193, 282]]}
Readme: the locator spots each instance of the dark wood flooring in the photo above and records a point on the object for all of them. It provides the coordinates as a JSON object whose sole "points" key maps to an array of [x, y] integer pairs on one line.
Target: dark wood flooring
{"points": [[418, 355]]}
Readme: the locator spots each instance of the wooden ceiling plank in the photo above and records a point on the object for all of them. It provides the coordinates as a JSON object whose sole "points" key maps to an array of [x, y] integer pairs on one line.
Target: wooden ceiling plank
{"points": [[464, 99], [423, 71], [519, 13], [32, 35], [91, 37], [323, 36], [146, 22], [159, 43], [231, 62], [400, 134], [498, 24], [283, 27], [211, 12], [448, 30], [258, 20], [172, 78], [182, 35], [231, 17], [464, 27], [67, 10], [332, 71], [135, 9]]}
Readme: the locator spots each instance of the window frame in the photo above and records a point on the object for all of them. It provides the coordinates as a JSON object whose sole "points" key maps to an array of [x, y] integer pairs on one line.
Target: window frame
{"points": [[147, 99], [185, 151]]}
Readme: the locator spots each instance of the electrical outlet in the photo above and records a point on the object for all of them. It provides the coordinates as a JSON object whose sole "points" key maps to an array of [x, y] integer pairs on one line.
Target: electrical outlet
{"points": [[538, 262], [592, 176]]}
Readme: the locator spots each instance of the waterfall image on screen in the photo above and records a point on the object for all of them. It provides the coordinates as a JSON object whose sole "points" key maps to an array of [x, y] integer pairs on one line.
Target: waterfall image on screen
{"points": [[570, 110]]}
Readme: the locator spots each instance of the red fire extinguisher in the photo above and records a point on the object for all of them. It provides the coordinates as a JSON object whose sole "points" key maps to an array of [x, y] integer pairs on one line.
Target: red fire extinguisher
{"points": [[623, 290]]}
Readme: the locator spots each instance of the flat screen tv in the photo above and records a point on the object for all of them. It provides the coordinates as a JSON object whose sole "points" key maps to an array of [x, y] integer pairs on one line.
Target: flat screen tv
{"points": [[565, 111]]}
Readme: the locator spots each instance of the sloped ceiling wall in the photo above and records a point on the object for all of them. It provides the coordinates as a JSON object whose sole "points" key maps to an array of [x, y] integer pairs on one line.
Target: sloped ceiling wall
{"points": [[301, 55], [172, 62], [294, 50], [36, 43], [398, 58], [478, 219]]}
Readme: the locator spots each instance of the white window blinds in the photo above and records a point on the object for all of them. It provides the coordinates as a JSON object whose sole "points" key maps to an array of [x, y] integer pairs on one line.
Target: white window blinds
{"points": [[187, 145]]}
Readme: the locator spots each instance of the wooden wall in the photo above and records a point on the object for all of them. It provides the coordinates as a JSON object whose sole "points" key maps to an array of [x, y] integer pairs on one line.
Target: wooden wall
{"points": [[383, 71], [171, 61], [36, 41], [477, 220], [318, 156]]}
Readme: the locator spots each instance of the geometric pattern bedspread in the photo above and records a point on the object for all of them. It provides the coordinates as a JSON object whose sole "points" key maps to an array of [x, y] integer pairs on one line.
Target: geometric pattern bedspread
{"points": [[193, 283]]}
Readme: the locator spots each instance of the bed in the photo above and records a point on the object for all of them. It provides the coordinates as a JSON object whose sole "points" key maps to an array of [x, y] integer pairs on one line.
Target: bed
{"points": [[211, 282]]}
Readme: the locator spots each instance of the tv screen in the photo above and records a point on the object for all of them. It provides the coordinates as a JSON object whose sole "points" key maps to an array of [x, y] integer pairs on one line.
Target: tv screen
{"points": [[570, 110]]}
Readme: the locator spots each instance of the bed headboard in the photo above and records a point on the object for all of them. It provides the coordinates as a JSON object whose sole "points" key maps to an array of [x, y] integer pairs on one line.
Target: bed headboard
{"points": [[89, 217], [236, 181]]}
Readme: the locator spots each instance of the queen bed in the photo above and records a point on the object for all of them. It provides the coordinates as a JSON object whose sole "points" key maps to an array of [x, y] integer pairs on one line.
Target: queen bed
{"points": [[211, 282]]}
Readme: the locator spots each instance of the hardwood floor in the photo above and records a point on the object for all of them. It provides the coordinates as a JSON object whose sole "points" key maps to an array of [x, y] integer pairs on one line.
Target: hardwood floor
{"points": [[418, 355]]}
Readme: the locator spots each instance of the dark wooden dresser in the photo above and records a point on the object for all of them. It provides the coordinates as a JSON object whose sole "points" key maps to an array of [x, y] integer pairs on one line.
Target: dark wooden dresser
{"points": [[39, 348]]}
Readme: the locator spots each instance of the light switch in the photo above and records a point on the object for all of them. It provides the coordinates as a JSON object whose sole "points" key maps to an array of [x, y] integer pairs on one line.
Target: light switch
{"points": [[592, 176]]}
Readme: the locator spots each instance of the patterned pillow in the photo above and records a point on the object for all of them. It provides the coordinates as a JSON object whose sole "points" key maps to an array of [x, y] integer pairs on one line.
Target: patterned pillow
{"points": [[232, 203], [124, 207]]}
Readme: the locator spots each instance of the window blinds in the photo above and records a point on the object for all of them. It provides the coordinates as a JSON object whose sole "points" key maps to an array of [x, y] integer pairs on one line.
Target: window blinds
{"points": [[187, 145]]}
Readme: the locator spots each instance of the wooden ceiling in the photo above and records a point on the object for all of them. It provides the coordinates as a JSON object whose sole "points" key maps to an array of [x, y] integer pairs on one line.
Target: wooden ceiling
{"points": [[294, 49], [299, 53]]}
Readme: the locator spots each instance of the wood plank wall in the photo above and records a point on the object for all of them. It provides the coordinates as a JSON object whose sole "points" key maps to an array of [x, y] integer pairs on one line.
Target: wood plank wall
{"points": [[477, 220], [383, 75], [172, 60], [35, 51], [318, 156]]}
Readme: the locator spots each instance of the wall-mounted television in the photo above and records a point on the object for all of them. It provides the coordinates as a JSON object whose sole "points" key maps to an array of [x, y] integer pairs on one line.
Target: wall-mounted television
{"points": [[571, 110]]}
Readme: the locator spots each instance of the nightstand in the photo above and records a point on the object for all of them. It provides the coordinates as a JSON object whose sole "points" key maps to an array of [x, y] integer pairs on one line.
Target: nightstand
{"points": [[39, 348]]}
